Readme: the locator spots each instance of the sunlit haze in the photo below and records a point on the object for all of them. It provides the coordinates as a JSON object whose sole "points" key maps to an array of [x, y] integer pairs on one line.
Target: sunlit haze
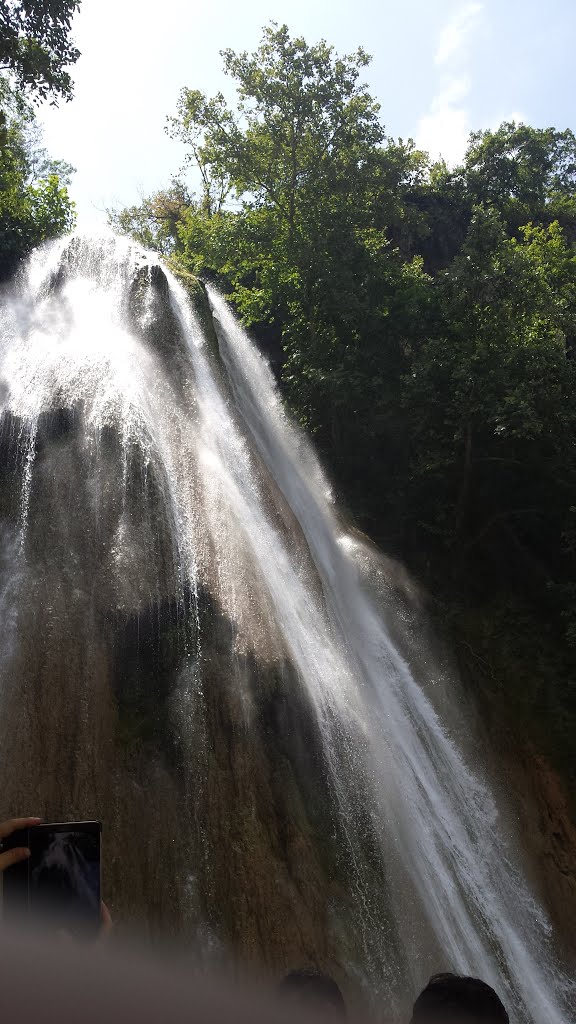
{"points": [[440, 70]]}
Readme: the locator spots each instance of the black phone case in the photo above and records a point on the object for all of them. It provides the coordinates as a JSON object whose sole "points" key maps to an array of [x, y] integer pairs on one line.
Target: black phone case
{"points": [[15, 880]]}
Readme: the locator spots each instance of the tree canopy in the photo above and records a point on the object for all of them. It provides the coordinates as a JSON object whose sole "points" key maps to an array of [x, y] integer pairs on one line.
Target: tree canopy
{"points": [[34, 203], [35, 45], [35, 52]]}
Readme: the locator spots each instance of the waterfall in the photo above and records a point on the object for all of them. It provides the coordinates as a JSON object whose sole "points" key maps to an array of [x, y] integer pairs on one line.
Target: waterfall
{"points": [[198, 650]]}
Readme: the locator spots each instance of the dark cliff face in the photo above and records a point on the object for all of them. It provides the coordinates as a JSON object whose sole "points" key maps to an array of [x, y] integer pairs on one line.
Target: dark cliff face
{"points": [[547, 833]]}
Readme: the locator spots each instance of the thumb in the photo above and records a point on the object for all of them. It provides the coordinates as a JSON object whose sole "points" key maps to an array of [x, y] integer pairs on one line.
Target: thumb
{"points": [[14, 856], [105, 918]]}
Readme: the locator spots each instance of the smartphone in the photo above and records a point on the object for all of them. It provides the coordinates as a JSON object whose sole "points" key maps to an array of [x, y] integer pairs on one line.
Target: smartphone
{"points": [[58, 887]]}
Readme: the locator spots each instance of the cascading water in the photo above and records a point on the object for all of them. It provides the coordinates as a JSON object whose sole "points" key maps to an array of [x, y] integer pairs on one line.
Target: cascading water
{"points": [[197, 650]]}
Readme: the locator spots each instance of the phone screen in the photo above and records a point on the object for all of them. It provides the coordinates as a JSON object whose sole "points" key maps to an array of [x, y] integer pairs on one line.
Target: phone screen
{"points": [[64, 877]]}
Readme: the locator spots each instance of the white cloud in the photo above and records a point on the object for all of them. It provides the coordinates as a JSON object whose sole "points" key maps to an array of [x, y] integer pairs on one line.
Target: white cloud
{"points": [[516, 116], [443, 131], [455, 34]]}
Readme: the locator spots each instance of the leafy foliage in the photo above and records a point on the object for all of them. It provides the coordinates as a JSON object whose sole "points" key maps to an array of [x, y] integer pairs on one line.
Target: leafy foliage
{"points": [[35, 53], [155, 221], [35, 45], [423, 322], [34, 202]]}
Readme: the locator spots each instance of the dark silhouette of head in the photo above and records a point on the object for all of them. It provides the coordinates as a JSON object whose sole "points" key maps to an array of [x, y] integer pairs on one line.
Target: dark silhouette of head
{"points": [[451, 999], [315, 992]]}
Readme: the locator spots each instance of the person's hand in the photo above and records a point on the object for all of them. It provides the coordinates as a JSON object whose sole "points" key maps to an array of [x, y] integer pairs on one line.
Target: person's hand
{"points": [[9, 857]]}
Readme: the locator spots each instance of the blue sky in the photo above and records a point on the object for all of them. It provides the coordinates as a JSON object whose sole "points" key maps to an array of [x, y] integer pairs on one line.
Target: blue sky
{"points": [[441, 68]]}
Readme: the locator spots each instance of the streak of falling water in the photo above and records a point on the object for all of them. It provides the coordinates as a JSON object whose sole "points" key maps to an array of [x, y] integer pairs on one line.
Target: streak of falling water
{"points": [[251, 519], [449, 865]]}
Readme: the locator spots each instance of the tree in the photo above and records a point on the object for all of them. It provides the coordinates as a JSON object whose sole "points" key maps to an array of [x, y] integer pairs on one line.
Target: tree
{"points": [[34, 203], [301, 117], [525, 173], [288, 158], [35, 46], [155, 221], [489, 472], [35, 53], [487, 391]]}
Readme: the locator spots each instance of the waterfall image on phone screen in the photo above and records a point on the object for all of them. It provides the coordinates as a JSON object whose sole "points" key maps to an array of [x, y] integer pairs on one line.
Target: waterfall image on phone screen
{"points": [[64, 879], [199, 651]]}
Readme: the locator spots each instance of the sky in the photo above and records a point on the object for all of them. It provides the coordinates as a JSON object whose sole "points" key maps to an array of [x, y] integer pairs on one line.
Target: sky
{"points": [[440, 69]]}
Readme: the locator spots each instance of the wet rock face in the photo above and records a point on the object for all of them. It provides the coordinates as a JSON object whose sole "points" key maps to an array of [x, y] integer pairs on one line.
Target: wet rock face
{"points": [[64, 695], [548, 833], [125, 698], [149, 310]]}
